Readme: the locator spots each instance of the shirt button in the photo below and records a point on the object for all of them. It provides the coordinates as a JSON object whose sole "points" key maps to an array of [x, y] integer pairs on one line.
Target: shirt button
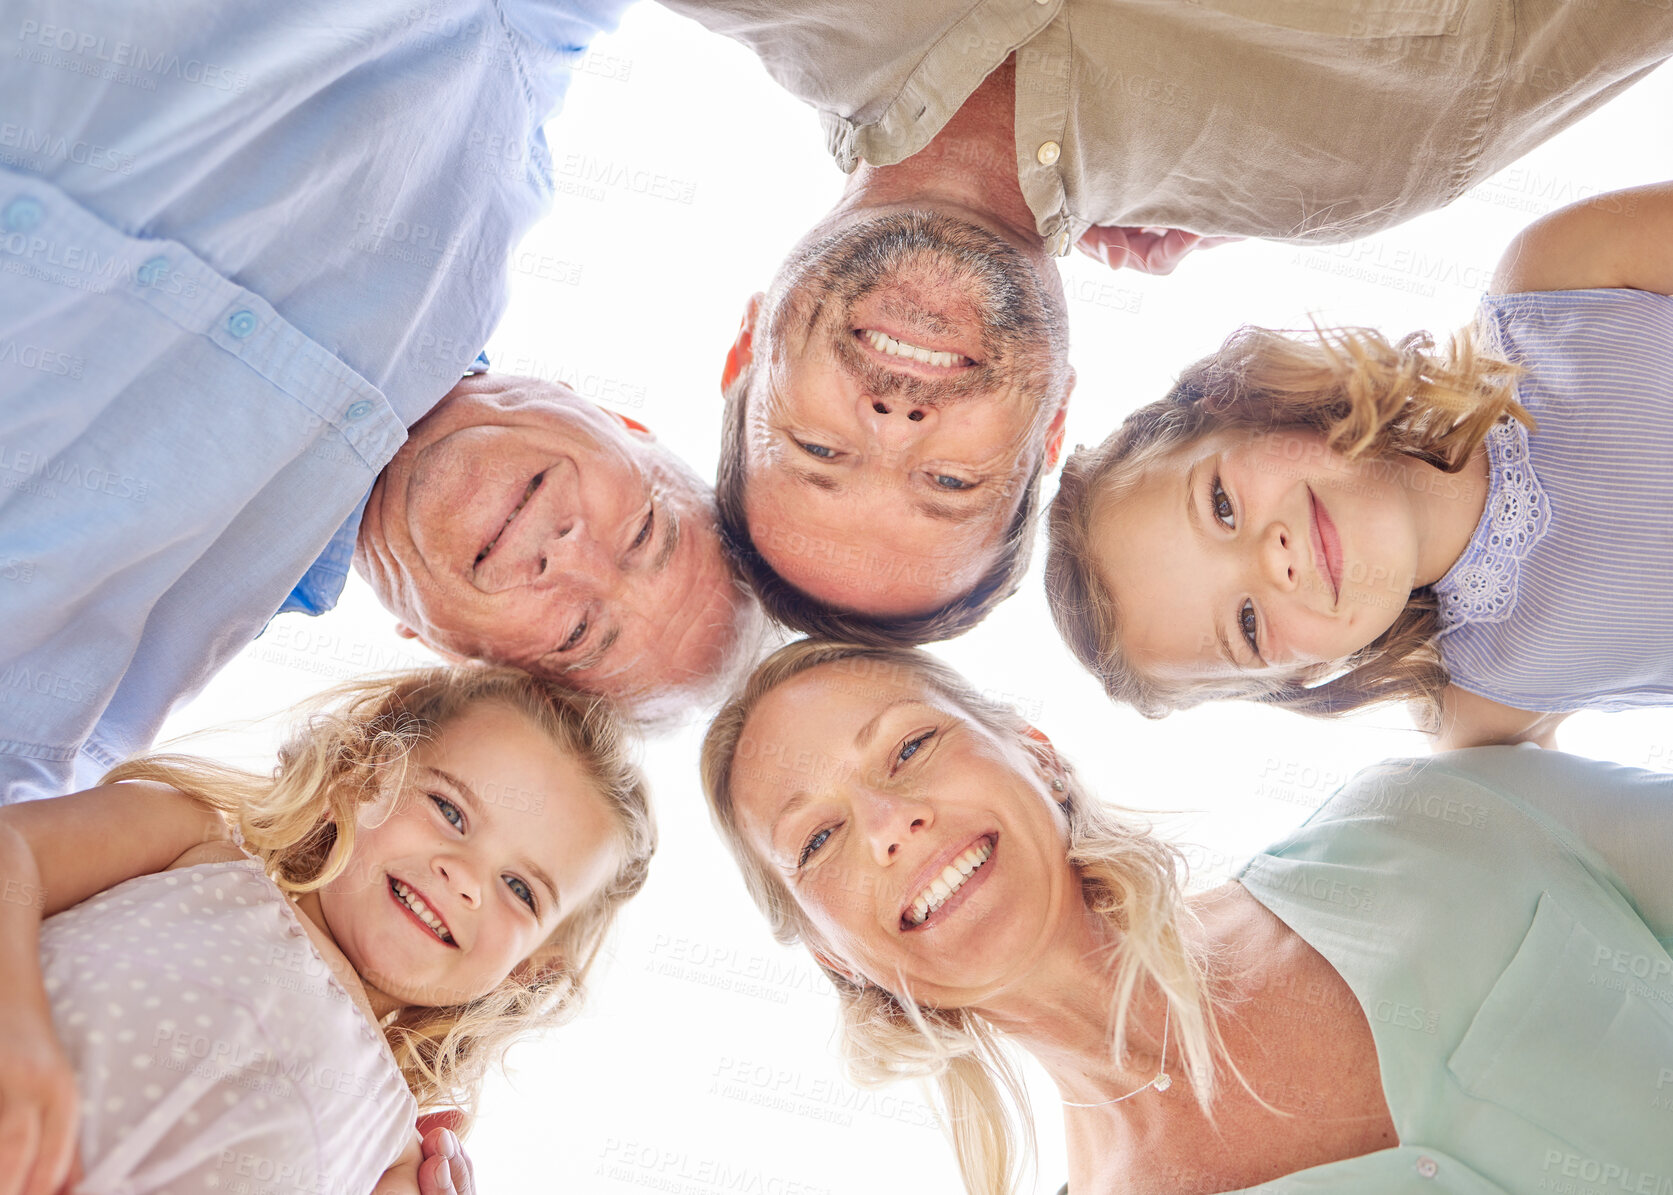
{"points": [[1060, 242], [241, 324], [358, 410], [1048, 153], [23, 213], [1427, 1168], [151, 272]]}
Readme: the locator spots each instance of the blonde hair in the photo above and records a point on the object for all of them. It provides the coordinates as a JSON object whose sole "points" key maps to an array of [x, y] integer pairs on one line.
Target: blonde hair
{"points": [[1368, 398], [1128, 877], [352, 748]]}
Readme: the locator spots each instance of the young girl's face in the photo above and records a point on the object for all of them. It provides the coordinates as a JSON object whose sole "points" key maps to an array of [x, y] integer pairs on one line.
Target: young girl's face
{"points": [[1256, 552], [496, 836]]}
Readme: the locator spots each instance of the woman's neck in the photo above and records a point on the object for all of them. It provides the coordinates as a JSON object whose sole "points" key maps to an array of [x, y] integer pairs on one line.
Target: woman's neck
{"points": [[1064, 1016]]}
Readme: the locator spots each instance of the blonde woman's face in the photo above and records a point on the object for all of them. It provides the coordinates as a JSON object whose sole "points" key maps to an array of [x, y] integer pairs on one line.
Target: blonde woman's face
{"points": [[925, 851], [1251, 552], [495, 838]]}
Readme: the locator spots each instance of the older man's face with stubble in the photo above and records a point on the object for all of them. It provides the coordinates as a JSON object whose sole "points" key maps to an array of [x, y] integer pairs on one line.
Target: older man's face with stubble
{"points": [[522, 524], [906, 374]]}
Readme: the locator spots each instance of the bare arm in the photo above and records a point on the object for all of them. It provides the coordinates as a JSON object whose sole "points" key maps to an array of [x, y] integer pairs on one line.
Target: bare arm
{"points": [[1469, 720], [402, 1177], [1623, 239], [54, 854]]}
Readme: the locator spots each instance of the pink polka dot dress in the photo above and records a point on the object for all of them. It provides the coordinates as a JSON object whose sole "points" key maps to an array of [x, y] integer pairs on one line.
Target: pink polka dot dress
{"points": [[214, 1049]]}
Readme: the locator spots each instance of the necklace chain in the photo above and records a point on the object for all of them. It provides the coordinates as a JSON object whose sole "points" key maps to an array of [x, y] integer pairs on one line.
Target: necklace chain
{"points": [[1160, 1083]]}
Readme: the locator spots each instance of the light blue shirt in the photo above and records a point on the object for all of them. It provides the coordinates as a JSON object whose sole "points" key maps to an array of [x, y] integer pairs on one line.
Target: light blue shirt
{"points": [[1564, 598], [1516, 980], [244, 244]]}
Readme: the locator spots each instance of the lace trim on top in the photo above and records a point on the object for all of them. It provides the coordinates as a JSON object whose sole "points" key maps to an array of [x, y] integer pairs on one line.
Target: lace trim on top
{"points": [[1481, 587]]}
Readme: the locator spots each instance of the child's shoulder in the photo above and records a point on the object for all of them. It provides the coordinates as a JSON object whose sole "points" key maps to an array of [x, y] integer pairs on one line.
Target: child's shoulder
{"points": [[219, 851]]}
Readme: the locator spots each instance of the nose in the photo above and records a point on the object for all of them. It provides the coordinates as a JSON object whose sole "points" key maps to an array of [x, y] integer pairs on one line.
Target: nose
{"points": [[1278, 558], [459, 877], [571, 553], [893, 422], [888, 821]]}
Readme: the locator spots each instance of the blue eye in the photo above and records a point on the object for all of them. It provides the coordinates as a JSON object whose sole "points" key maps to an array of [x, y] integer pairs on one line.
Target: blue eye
{"points": [[817, 450], [521, 890], [814, 842], [910, 747], [952, 483], [450, 811]]}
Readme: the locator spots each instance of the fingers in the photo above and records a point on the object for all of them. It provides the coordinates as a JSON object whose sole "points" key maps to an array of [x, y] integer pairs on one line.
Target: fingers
{"points": [[435, 1176], [20, 1139], [445, 1161], [57, 1148], [464, 1174], [1148, 250], [1162, 253], [74, 1176]]}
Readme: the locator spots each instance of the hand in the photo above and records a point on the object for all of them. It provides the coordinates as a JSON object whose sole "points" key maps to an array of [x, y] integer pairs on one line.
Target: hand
{"points": [[447, 1168], [1149, 250], [38, 1112]]}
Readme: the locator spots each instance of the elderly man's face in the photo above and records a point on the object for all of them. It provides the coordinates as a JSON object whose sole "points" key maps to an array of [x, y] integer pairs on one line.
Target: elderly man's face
{"points": [[524, 525], [905, 383]]}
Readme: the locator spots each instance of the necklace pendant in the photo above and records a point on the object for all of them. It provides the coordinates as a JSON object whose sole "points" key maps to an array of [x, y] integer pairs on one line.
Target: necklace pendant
{"points": [[1161, 1082]]}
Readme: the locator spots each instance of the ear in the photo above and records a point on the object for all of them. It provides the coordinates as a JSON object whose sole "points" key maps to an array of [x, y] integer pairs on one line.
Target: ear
{"points": [[403, 631], [632, 424], [742, 351], [830, 964], [1052, 766], [1059, 425]]}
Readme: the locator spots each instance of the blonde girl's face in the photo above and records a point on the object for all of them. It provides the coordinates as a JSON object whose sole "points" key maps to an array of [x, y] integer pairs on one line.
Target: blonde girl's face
{"points": [[496, 836], [1254, 552]]}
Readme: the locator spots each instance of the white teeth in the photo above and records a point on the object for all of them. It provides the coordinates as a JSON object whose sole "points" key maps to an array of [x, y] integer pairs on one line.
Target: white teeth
{"points": [[884, 343], [528, 493], [951, 879], [416, 903]]}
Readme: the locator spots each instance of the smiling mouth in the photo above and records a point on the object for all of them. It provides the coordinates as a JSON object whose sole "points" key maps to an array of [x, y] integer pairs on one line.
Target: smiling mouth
{"points": [[903, 350], [1324, 539], [409, 899], [946, 884], [534, 484]]}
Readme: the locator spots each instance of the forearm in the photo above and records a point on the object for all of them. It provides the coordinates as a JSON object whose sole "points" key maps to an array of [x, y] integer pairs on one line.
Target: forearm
{"points": [[1469, 720], [22, 903]]}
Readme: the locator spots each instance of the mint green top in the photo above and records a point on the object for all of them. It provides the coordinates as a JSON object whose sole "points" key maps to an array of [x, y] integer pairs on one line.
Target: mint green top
{"points": [[1518, 988]]}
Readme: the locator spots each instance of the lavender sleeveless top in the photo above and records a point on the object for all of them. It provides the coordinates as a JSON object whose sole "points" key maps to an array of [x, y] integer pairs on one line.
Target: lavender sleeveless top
{"points": [[214, 1049], [1564, 598]]}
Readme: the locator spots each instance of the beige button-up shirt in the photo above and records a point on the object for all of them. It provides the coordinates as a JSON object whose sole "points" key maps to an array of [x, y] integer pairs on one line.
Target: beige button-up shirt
{"points": [[1301, 120]]}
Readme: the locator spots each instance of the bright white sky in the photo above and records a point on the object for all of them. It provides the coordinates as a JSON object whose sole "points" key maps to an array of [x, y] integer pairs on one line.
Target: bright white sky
{"points": [[704, 1064]]}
